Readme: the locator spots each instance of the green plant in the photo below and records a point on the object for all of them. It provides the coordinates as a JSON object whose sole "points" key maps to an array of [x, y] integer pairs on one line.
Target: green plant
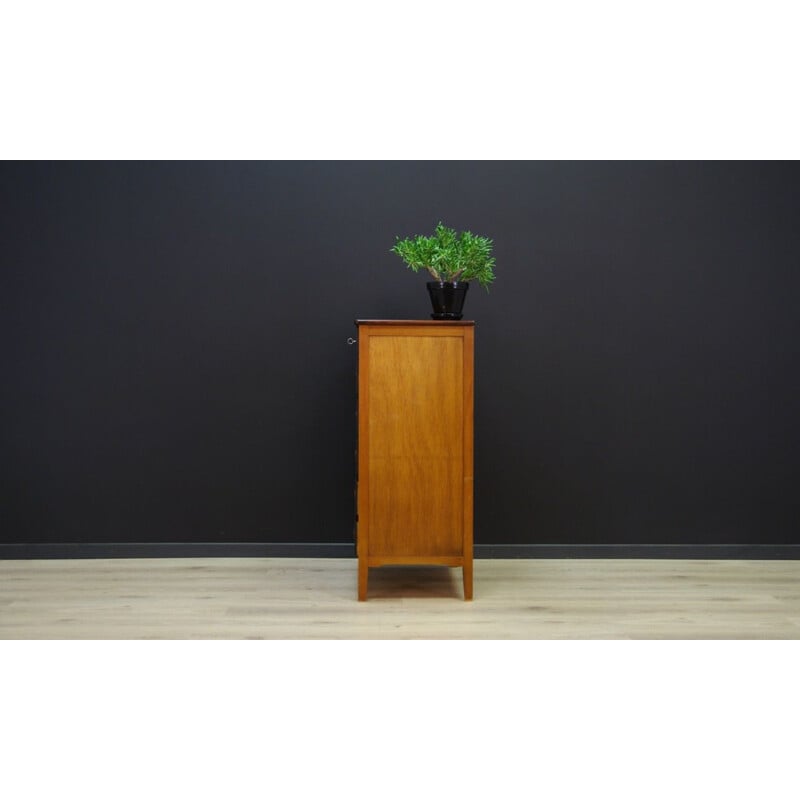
{"points": [[449, 256]]}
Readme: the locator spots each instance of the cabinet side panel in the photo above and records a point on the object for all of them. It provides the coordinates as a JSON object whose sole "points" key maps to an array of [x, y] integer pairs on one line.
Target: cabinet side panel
{"points": [[416, 445], [469, 405], [362, 463]]}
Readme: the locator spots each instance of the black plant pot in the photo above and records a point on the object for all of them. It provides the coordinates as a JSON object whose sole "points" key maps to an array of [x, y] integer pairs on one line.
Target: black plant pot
{"points": [[447, 298]]}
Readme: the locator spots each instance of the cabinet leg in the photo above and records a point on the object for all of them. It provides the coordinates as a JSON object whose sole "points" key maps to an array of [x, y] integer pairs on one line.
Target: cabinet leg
{"points": [[362, 578], [468, 580]]}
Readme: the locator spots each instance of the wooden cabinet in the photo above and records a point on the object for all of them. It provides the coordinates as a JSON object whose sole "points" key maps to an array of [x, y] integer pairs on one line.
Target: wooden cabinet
{"points": [[415, 445]]}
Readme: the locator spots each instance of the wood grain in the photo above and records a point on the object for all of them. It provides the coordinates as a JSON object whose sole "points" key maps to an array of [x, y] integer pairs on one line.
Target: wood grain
{"points": [[415, 445], [468, 466], [284, 598]]}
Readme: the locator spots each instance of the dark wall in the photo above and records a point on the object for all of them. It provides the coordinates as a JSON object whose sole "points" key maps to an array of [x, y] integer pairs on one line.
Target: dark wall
{"points": [[175, 366]]}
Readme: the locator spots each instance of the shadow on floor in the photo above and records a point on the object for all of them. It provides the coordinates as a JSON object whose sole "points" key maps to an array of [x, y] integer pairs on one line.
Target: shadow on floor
{"points": [[414, 581]]}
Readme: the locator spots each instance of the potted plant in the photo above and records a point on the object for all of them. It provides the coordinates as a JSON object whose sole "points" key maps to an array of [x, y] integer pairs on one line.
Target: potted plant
{"points": [[453, 260]]}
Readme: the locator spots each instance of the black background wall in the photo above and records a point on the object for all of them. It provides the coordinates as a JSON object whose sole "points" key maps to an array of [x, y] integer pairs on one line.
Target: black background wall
{"points": [[175, 366]]}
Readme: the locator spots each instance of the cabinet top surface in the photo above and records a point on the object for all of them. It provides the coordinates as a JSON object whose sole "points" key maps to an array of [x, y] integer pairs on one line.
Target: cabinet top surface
{"points": [[434, 323]]}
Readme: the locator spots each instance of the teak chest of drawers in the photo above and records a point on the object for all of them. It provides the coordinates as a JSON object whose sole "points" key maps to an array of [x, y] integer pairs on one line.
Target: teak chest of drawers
{"points": [[415, 445]]}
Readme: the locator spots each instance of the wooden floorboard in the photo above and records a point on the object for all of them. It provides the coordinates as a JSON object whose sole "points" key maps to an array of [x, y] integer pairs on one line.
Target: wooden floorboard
{"points": [[299, 598]]}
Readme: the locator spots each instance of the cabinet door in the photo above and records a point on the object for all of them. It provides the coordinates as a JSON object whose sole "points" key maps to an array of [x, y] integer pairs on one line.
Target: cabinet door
{"points": [[416, 440]]}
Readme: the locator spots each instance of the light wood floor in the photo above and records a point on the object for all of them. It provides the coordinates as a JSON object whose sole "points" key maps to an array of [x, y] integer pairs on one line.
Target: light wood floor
{"points": [[282, 598]]}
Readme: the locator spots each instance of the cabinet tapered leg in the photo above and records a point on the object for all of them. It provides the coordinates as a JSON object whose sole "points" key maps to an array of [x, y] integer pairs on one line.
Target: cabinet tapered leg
{"points": [[468, 579], [362, 578]]}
